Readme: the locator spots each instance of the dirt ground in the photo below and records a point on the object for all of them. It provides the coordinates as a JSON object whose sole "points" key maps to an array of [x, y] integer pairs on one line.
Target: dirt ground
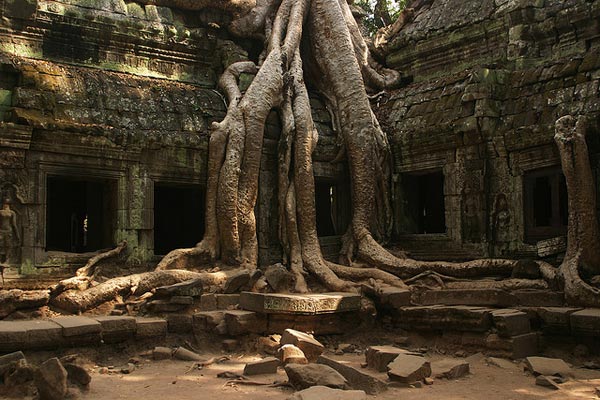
{"points": [[174, 380]]}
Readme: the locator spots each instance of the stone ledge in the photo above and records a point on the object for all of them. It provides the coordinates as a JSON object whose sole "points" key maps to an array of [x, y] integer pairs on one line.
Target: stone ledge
{"points": [[325, 303]]}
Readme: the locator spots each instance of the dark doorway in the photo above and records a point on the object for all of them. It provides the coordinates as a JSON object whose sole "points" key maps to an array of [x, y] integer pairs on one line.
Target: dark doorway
{"points": [[424, 202], [546, 204], [178, 216], [80, 214], [332, 208]]}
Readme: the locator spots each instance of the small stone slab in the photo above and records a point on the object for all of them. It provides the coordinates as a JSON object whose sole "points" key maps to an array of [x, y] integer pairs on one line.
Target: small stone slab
{"points": [[324, 303], [449, 369], [191, 288], [305, 376], [78, 326], [265, 366], [151, 328], [511, 322], [549, 381], [515, 347], [547, 366], [43, 334], [408, 369], [326, 393], [117, 328], [12, 336], [378, 357], [556, 320], [447, 318], [356, 378], [586, 322], [310, 346], [469, 297], [241, 322]]}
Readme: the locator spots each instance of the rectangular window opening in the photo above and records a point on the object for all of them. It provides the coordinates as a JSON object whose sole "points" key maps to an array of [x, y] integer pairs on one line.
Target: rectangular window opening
{"points": [[332, 208], [80, 214], [178, 216]]}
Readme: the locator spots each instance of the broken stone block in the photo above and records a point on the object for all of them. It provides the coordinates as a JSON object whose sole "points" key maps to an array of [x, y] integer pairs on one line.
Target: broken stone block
{"points": [[511, 322], [323, 303], [265, 366], [290, 354], [207, 320], [586, 322], [311, 347], [305, 376], [394, 297], [378, 357], [117, 329], [8, 361], [240, 322], [449, 369], [79, 330], [279, 278], [268, 345], [179, 323], [408, 368], [547, 366], [556, 320], [162, 353], [20, 374], [208, 302], [192, 288], [150, 328], [514, 347], [356, 378], [227, 301], [551, 382], [500, 363], [469, 297], [51, 380], [326, 393], [235, 282], [447, 318], [77, 374], [181, 353]]}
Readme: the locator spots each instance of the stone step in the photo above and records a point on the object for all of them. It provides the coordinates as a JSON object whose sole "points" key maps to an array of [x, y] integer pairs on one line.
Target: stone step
{"points": [[76, 331], [300, 304], [469, 297], [441, 317]]}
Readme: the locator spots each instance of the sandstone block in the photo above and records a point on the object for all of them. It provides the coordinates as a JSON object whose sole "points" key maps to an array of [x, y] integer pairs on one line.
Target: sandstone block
{"points": [[447, 318], [162, 353], [42, 334], [556, 320], [117, 328], [179, 323], [150, 328], [227, 301], [469, 297], [548, 366], [12, 336], [586, 322], [323, 303], [515, 347], [311, 347], [79, 330], [408, 368], [265, 366], [326, 393], [449, 369], [378, 357], [240, 322], [305, 376], [511, 322], [356, 378], [51, 380], [191, 288], [290, 354], [207, 320]]}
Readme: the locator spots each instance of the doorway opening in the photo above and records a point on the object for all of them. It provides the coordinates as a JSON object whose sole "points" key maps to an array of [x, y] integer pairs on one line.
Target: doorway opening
{"points": [[424, 202]]}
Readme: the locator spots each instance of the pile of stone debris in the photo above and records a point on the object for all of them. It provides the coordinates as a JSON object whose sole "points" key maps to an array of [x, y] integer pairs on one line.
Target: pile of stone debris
{"points": [[53, 379]]}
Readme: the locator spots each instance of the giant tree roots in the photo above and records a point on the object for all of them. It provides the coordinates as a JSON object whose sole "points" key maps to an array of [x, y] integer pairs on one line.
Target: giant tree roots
{"points": [[319, 41]]}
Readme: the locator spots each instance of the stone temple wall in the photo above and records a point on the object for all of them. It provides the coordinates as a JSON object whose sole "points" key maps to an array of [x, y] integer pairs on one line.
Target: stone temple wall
{"points": [[117, 97], [489, 79]]}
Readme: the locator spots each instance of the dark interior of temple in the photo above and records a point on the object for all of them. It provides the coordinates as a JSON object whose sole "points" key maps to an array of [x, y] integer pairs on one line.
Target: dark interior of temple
{"points": [[424, 195]]}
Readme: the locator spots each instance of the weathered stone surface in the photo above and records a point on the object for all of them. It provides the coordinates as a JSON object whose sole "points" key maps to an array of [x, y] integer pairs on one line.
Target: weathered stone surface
{"points": [[51, 380], [378, 357], [150, 328], [469, 297], [227, 301], [320, 324], [12, 335], [500, 363], [162, 353], [117, 328], [179, 323], [327, 393], [191, 288], [408, 368], [511, 322], [356, 378], [556, 320], [268, 345], [182, 300], [207, 320], [551, 382], [394, 297], [548, 366], [514, 347], [77, 374], [279, 278], [311, 347], [186, 355], [20, 374], [240, 322], [208, 302], [586, 322], [8, 361], [265, 366], [539, 298], [78, 326], [299, 304], [236, 282], [305, 376], [42, 334], [449, 369], [290, 354], [439, 317]]}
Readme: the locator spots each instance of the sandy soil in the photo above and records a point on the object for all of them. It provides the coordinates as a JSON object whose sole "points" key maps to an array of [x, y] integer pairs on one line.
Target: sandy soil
{"points": [[173, 380]]}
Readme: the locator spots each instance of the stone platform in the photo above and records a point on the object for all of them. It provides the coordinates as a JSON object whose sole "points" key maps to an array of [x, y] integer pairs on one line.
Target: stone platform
{"points": [[300, 304]]}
